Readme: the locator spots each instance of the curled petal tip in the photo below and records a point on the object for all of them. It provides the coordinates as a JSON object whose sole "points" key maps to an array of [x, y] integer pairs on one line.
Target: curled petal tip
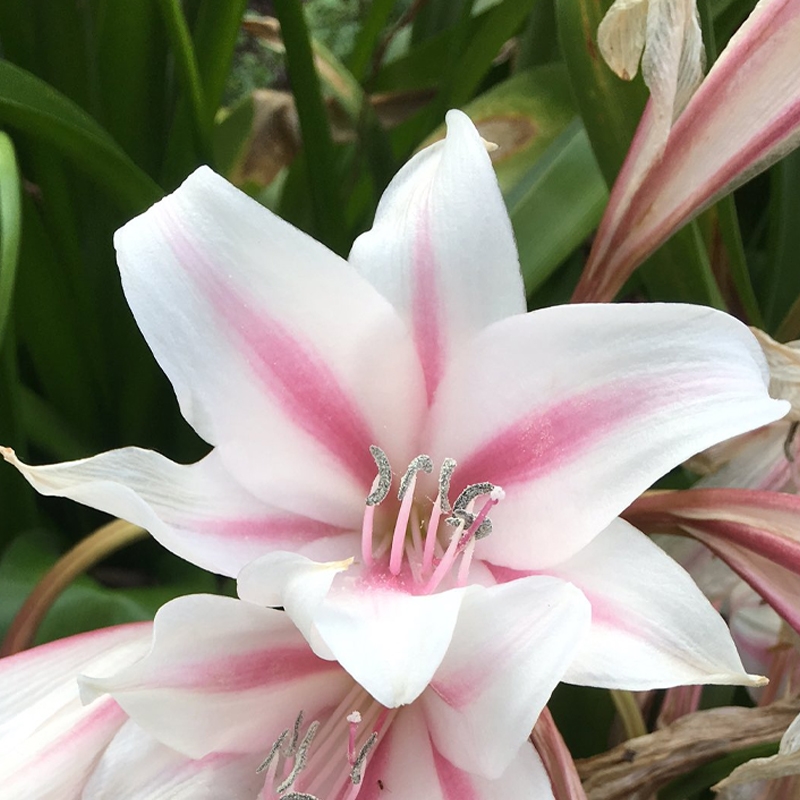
{"points": [[9, 455]]}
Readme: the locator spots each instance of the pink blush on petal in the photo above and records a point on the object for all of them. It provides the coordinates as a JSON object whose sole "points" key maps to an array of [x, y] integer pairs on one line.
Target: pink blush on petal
{"points": [[426, 305], [552, 437], [251, 670]]}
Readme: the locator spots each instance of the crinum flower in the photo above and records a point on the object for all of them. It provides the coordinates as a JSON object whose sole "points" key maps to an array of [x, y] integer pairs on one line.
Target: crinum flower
{"points": [[219, 698], [392, 433]]}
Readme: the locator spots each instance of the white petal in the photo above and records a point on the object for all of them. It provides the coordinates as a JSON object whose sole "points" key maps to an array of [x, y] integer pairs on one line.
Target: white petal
{"points": [[651, 626], [674, 58], [41, 683], [408, 766], [390, 641], [576, 410], [296, 583], [54, 762], [280, 354], [198, 511], [223, 675], [137, 767], [442, 249], [512, 645], [621, 36]]}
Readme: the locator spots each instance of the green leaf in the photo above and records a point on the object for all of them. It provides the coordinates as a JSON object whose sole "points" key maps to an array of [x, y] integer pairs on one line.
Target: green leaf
{"points": [[563, 200], [188, 71], [367, 39], [86, 604], [33, 106], [317, 143], [783, 245], [10, 228], [215, 30]]}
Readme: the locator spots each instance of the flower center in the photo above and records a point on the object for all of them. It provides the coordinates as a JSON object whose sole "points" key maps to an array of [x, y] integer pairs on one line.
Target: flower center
{"points": [[429, 559], [328, 759]]}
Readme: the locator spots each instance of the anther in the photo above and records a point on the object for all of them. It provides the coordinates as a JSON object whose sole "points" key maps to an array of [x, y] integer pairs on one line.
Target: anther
{"points": [[358, 764], [290, 751], [300, 759], [445, 474], [299, 796], [273, 751], [383, 481], [471, 492], [421, 463]]}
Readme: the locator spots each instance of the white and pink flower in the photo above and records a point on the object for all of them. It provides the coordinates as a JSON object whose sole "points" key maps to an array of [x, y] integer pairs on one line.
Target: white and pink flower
{"points": [[517, 440]]}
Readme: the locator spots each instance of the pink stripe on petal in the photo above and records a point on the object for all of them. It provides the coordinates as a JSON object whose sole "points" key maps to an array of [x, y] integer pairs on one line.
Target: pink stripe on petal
{"points": [[297, 378], [269, 530], [550, 438], [251, 670], [426, 307], [454, 782], [78, 744]]}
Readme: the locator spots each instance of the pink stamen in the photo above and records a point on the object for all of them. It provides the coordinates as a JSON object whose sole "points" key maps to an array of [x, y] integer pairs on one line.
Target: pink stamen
{"points": [[416, 534], [444, 565], [399, 535], [466, 561], [354, 720], [366, 535], [430, 535]]}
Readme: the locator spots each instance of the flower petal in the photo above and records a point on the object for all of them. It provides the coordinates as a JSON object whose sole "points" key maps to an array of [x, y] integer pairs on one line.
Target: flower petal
{"points": [[755, 533], [674, 58], [576, 410], [136, 766], [272, 343], [243, 666], [442, 249], [390, 641], [510, 648], [296, 583], [408, 766], [755, 460], [49, 742], [41, 683], [621, 36], [198, 511], [651, 626], [54, 762]]}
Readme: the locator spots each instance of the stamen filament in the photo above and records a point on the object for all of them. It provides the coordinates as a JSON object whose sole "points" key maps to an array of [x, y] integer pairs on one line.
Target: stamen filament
{"points": [[354, 719], [466, 561], [366, 535], [430, 535], [399, 535], [445, 564]]}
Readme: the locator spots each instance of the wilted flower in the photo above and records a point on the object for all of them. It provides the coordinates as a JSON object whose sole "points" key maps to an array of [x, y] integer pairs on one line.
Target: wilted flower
{"points": [[744, 116]]}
